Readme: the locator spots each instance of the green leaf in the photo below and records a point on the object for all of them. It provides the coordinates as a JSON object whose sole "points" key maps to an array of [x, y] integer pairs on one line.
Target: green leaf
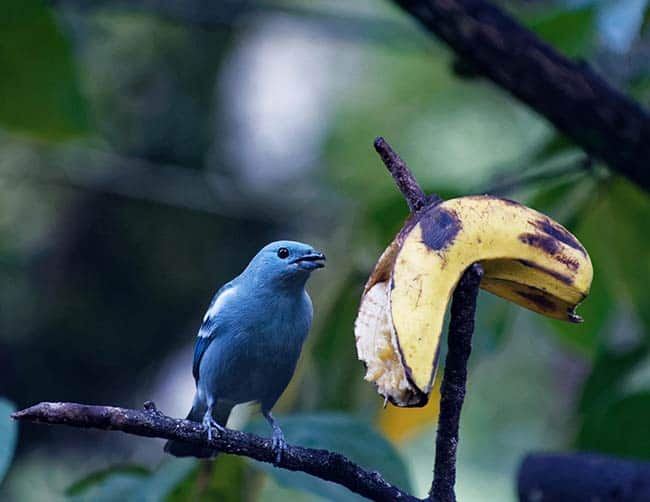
{"points": [[225, 479], [566, 202], [614, 232], [131, 483], [94, 478], [8, 435], [570, 31], [557, 143], [645, 24], [39, 89], [114, 486], [639, 86], [610, 224], [494, 318], [338, 371], [164, 479], [341, 433], [619, 429], [596, 310], [604, 384]]}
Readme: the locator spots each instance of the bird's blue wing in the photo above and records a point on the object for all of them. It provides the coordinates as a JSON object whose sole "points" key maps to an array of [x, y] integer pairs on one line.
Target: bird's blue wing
{"points": [[199, 349], [208, 330]]}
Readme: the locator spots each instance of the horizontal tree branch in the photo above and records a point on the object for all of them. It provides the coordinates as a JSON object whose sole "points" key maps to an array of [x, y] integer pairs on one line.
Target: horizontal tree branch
{"points": [[323, 464], [603, 121], [582, 476]]}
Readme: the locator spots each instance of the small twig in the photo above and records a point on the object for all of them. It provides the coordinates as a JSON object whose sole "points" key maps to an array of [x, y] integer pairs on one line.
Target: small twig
{"points": [[406, 182], [452, 390], [323, 464]]}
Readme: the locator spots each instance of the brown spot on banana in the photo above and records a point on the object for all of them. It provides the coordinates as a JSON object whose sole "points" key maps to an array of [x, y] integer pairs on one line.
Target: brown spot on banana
{"points": [[540, 299], [439, 228], [544, 242], [511, 202], [560, 233], [554, 273], [572, 263]]}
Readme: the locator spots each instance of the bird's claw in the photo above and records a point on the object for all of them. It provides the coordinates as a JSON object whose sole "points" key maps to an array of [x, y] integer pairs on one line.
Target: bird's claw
{"points": [[278, 444], [209, 424]]}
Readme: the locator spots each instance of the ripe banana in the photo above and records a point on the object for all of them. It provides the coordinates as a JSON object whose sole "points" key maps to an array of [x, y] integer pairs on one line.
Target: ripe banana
{"points": [[527, 258]]}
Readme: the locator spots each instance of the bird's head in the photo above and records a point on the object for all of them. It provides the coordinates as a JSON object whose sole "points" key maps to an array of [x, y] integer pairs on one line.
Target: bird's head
{"points": [[286, 262]]}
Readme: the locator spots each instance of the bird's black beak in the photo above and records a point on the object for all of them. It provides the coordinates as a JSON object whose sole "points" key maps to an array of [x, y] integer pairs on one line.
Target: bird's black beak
{"points": [[311, 261]]}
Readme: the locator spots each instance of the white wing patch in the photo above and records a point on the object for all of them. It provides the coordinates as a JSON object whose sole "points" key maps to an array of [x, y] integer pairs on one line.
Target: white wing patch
{"points": [[213, 311]]}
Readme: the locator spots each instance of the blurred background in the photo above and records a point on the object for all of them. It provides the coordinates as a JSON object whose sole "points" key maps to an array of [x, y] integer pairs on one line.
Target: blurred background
{"points": [[149, 148]]}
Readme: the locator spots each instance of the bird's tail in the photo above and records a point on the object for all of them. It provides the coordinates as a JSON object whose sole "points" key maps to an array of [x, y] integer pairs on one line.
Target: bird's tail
{"points": [[182, 449]]}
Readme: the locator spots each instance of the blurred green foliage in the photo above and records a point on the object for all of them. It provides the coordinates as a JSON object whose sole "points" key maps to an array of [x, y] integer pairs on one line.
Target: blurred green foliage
{"points": [[116, 230], [93, 480], [233, 482], [569, 30], [132, 483], [39, 85]]}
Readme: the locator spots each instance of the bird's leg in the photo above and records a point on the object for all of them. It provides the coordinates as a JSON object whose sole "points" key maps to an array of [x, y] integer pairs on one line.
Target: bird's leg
{"points": [[277, 439], [209, 423]]}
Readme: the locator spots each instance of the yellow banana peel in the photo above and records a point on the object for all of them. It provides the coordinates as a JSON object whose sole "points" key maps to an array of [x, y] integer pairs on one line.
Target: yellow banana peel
{"points": [[527, 258]]}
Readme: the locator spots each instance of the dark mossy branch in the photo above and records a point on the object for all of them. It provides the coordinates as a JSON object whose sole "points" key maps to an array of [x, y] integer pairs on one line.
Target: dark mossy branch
{"points": [[576, 100], [452, 390], [323, 464]]}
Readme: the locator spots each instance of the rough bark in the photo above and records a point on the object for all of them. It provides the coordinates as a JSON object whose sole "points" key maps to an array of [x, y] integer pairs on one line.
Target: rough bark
{"points": [[452, 390], [324, 464]]}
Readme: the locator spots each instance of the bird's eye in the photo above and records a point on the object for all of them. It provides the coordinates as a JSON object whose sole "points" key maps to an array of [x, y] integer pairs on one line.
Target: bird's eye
{"points": [[283, 253]]}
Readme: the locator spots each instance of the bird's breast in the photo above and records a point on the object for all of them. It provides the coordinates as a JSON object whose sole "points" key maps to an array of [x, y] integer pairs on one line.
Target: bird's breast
{"points": [[254, 357]]}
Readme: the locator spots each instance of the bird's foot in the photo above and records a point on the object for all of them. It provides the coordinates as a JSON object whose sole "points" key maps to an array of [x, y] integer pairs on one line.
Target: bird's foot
{"points": [[278, 443], [209, 424]]}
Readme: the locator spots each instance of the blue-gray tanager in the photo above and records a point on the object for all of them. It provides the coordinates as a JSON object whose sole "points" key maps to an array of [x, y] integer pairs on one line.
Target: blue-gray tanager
{"points": [[250, 340]]}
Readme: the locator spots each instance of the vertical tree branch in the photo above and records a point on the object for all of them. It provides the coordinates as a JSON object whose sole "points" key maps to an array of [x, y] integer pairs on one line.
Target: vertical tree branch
{"points": [[461, 328], [452, 391]]}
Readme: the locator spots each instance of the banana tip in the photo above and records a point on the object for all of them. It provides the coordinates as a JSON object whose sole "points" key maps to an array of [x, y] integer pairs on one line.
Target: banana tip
{"points": [[575, 318]]}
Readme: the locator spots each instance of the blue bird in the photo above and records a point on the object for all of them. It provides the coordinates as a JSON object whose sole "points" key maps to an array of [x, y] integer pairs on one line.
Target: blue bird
{"points": [[250, 340]]}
